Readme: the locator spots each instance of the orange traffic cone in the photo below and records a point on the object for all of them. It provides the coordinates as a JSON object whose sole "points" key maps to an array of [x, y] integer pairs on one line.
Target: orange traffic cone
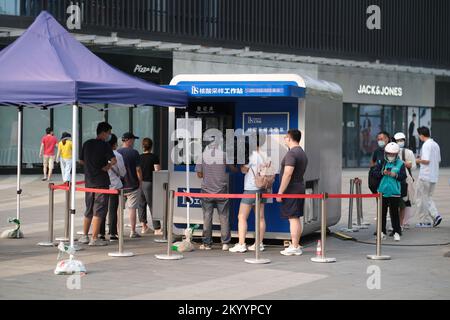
{"points": [[319, 249]]}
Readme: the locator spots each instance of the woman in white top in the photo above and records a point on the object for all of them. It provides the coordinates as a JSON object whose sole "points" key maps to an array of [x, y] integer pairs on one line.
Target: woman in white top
{"points": [[116, 172], [407, 156], [256, 162]]}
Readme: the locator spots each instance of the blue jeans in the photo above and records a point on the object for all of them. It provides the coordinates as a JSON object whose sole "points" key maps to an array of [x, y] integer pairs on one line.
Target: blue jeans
{"points": [[222, 205]]}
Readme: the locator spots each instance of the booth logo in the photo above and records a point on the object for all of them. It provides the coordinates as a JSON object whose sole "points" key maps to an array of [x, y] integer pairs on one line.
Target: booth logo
{"points": [[375, 90], [193, 202], [143, 69]]}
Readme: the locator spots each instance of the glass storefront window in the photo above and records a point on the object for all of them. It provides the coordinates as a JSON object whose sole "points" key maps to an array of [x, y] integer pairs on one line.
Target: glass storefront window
{"points": [[8, 132], [369, 126], [91, 116], [35, 121], [10, 7], [119, 119], [350, 151], [143, 124], [62, 120]]}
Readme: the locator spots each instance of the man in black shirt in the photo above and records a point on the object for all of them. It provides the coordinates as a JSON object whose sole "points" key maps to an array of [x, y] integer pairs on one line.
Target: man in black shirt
{"points": [[133, 178], [293, 167], [149, 162], [97, 158], [383, 139]]}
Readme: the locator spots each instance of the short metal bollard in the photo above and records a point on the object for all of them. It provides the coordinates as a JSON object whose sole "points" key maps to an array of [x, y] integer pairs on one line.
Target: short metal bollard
{"points": [[170, 255], [359, 207], [323, 234], [66, 219], [257, 259], [378, 255], [350, 227], [166, 210], [121, 253], [51, 208]]}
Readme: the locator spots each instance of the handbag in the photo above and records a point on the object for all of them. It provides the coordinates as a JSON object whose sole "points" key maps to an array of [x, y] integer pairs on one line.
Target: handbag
{"points": [[265, 178]]}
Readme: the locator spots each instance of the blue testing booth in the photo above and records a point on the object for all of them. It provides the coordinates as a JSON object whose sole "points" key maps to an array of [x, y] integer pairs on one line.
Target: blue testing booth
{"points": [[276, 102]]}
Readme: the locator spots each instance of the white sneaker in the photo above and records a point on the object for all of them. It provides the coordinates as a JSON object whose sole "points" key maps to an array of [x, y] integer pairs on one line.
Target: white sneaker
{"points": [[84, 239], [204, 246], [383, 236], [396, 237], [253, 248], [225, 247], [239, 248], [146, 231], [291, 251]]}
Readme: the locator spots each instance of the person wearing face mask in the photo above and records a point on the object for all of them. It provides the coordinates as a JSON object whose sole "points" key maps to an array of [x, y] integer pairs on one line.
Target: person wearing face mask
{"points": [[383, 138], [97, 157], [408, 158], [392, 173]]}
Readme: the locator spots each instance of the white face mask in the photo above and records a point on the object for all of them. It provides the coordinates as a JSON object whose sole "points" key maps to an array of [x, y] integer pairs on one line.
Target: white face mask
{"points": [[401, 144], [391, 159], [381, 143]]}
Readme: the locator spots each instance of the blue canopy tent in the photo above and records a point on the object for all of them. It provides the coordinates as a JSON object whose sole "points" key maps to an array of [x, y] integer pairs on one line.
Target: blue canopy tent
{"points": [[47, 66]]}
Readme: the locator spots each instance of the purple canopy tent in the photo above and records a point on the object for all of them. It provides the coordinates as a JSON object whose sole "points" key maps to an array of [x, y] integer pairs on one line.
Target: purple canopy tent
{"points": [[47, 66]]}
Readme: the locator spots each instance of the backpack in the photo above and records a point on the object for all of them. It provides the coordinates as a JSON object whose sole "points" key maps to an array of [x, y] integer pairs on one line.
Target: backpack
{"points": [[374, 181], [265, 178]]}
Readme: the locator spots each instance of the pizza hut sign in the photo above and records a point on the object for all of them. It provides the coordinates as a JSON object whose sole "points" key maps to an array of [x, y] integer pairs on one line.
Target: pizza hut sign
{"points": [[144, 69]]}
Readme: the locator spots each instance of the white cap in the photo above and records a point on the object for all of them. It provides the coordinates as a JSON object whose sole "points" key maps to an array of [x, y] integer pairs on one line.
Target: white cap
{"points": [[399, 136], [392, 147]]}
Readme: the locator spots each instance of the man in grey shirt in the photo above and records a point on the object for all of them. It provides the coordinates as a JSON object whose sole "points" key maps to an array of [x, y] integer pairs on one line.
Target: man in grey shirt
{"points": [[215, 180]]}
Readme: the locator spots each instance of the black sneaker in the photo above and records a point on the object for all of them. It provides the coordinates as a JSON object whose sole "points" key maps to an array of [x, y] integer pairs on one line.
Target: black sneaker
{"points": [[113, 238], [437, 220], [391, 234], [102, 237]]}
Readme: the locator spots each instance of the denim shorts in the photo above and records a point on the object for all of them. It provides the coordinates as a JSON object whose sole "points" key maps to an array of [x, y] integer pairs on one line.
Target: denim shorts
{"points": [[250, 200]]}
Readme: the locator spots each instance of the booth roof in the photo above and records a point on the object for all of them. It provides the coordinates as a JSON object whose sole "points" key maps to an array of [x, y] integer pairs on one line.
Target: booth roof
{"points": [[48, 66]]}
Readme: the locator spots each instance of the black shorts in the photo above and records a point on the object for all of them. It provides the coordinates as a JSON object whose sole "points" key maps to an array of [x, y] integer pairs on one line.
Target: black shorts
{"points": [[96, 204], [292, 208]]}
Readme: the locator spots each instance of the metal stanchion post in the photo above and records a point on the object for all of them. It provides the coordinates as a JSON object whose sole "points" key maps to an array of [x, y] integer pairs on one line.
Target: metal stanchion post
{"points": [[350, 227], [323, 234], [51, 207], [169, 255], [359, 207], [378, 255], [166, 210], [66, 219], [257, 260], [121, 253]]}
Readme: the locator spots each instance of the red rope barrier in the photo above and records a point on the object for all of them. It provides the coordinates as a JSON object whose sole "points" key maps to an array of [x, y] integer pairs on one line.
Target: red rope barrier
{"points": [[215, 195], [292, 196], [60, 187], [348, 196], [93, 190], [271, 195]]}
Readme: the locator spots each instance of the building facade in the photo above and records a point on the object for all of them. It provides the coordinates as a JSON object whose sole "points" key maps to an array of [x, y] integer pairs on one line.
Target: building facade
{"points": [[388, 75]]}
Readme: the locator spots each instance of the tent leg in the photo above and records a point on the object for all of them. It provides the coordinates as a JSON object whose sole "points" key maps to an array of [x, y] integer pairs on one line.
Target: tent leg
{"points": [[72, 266], [16, 233]]}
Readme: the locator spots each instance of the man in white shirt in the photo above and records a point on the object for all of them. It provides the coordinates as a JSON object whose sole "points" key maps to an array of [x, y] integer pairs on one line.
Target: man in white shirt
{"points": [[430, 157]]}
